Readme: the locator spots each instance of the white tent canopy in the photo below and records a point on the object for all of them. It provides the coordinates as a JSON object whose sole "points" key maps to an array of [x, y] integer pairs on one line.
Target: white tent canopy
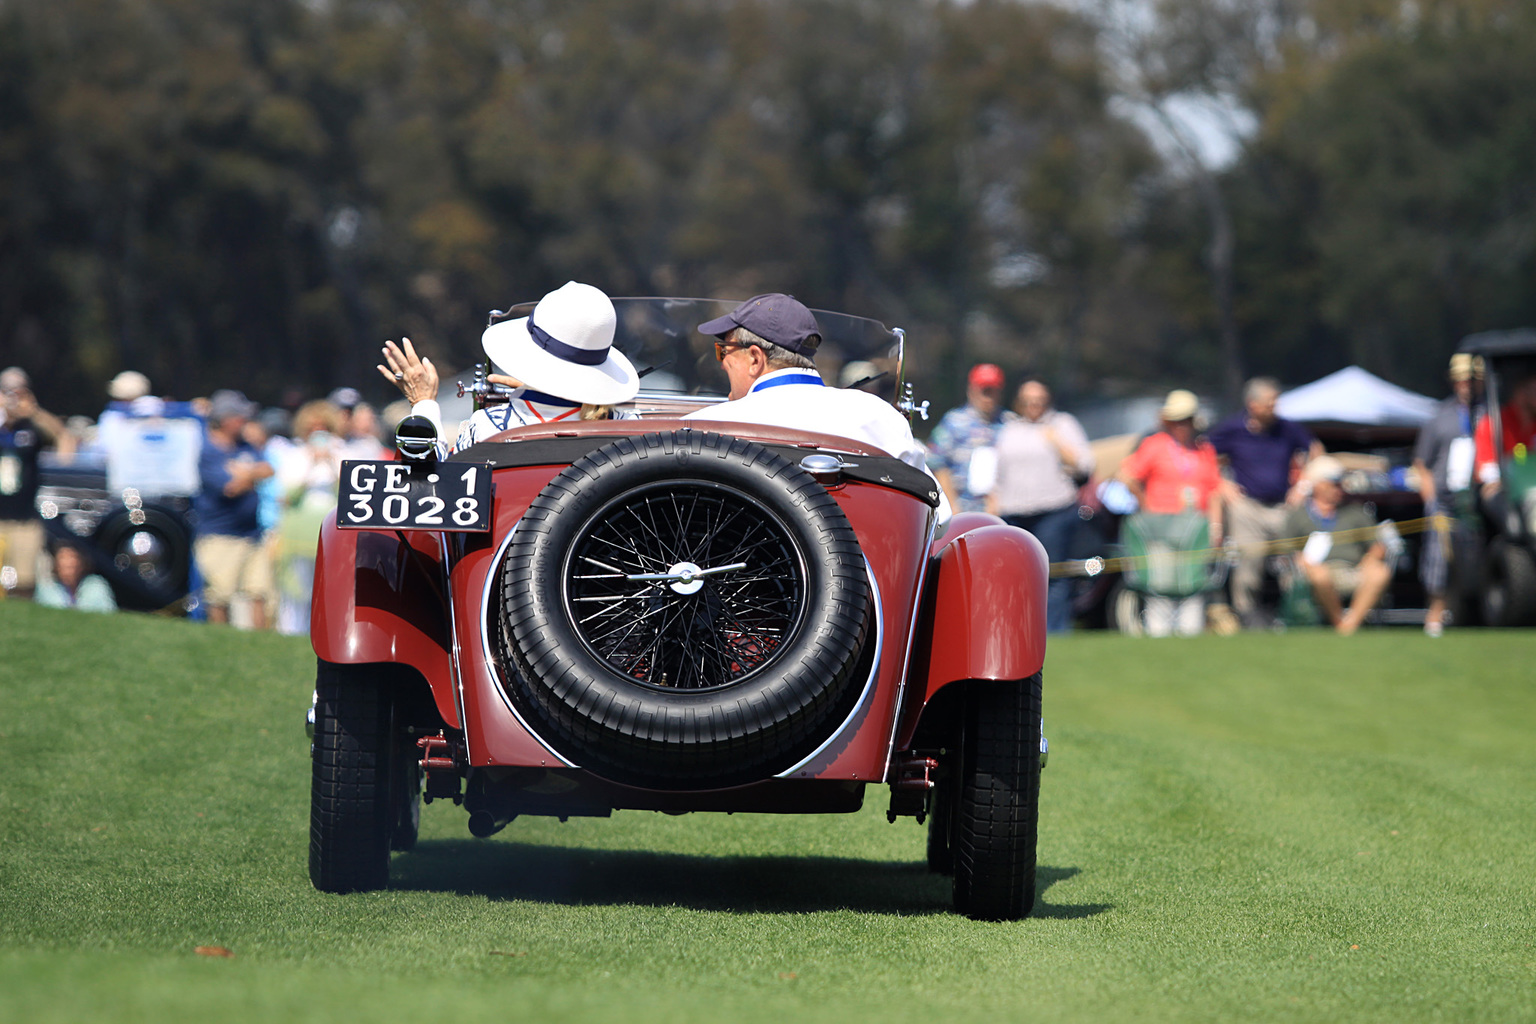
{"points": [[1353, 395]]}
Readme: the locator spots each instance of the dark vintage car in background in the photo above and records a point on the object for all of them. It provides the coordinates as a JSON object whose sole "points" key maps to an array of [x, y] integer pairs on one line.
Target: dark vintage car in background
{"points": [[127, 504], [667, 617]]}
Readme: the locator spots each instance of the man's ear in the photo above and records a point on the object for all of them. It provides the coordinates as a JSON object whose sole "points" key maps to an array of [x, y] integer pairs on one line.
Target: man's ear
{"points": [[759, 361]]}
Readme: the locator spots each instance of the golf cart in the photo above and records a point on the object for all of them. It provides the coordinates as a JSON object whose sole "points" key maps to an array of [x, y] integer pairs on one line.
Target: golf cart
{"points": [[1507, 515]]}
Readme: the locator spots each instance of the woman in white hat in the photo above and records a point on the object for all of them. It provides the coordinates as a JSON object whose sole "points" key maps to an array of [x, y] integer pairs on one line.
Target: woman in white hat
{"points": [[559, 359]]}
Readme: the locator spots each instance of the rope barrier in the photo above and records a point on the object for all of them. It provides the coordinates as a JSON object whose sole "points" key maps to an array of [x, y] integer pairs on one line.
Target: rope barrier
{"points": [[1096, 566]]}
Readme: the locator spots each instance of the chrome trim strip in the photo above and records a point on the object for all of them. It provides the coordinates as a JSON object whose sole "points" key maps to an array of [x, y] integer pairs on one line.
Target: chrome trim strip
{"points": [[906, 659], [870, 684], [490, 658]]}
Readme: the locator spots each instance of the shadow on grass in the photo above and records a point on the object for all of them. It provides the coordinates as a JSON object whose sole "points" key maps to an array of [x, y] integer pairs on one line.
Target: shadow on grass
{"points": [[579, 877]]}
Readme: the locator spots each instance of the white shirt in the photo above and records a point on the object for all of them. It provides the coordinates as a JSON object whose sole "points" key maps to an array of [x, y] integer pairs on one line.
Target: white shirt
{"points": [[496, 418], [1030, 475], [797, 398]]}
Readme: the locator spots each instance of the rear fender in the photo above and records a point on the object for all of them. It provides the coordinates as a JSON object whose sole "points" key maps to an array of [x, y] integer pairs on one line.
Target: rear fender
{"points": [[983, 614], [960, 524], [378, 597]]}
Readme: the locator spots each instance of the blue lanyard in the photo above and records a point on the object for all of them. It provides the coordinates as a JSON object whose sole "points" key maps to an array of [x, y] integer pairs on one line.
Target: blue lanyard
{"points": [[788, 378]]}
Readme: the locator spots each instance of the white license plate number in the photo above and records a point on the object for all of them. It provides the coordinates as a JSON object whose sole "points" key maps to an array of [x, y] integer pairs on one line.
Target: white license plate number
{"points": [[447, 496]]}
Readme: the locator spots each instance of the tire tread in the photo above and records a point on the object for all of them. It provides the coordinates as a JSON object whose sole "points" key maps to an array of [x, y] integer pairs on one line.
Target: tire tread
{"points": [[348, 821], [996, 817]]}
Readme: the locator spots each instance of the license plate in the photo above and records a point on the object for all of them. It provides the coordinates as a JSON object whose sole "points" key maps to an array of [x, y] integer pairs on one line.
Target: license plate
{"points": [[449, 496]]}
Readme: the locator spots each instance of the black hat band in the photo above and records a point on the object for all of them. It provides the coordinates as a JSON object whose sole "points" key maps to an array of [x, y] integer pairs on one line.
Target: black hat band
{"points": [[560, 350]]}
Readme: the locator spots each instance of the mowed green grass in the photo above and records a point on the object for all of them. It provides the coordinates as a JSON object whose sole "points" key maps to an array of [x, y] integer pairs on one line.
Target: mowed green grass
{"points": [[1292, 827]]}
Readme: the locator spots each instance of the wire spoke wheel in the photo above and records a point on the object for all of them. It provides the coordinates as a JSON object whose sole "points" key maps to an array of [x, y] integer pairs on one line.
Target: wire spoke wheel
{"points": [[684, 609], [722, 586]]}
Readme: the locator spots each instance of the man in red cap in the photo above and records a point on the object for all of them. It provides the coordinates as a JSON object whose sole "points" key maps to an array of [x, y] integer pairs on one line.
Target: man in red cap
{"points": [[961, 451]]}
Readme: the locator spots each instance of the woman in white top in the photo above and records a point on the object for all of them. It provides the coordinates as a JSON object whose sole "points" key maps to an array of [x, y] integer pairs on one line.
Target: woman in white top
{"points": [[1043, 457], [559, 359]]}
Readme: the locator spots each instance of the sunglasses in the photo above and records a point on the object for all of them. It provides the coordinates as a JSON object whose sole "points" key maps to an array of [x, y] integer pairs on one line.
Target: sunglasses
{"points": [[722, 347]]}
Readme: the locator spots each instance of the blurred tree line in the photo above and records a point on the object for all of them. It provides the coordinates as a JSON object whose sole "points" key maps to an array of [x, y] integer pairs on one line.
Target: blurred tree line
{"points": [[221, 193]]}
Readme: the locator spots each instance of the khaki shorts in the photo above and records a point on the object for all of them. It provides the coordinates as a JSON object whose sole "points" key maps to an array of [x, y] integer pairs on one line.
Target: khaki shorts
{"points": [[234, 565], [21, 542], [1345, 577]]}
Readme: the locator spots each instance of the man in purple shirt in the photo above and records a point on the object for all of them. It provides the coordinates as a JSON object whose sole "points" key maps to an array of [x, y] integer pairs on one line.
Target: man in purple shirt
{"points": [[1259, 450]]}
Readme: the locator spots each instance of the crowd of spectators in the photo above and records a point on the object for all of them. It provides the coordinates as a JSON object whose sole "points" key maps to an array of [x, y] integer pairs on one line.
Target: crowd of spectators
{"points": [[1239, 492], [260, 481], [265, 479]]}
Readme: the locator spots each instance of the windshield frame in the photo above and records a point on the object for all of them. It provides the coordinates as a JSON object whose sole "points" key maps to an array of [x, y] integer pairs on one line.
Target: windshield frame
{"points": [[659, 334]]}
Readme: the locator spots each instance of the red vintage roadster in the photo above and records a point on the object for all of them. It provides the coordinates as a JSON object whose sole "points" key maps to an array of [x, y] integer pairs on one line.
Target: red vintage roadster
{"points": [[650, 614]]}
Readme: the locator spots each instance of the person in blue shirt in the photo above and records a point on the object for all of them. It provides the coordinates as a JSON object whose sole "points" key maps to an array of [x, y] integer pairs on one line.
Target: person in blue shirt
{"points": [[229, 551], [1261, 452], [961, 452]]}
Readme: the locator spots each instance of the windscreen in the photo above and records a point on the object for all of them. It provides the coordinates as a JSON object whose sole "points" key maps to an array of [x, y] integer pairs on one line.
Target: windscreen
{"points": [[662, 335]]}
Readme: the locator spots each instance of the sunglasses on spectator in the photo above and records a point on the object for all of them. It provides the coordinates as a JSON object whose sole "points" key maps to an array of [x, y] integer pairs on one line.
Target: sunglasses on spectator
{"points": [[722, 347]]}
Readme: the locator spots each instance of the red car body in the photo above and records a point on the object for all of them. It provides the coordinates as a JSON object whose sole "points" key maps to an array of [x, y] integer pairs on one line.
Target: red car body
{"points": [[951, 609]]}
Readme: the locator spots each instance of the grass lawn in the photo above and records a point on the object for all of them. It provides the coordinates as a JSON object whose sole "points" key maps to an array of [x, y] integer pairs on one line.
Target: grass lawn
{"points": [[1268, 827]]}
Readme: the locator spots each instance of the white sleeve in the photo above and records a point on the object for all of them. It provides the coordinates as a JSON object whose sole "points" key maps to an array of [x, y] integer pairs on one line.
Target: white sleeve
{"points": [[429, 408]]}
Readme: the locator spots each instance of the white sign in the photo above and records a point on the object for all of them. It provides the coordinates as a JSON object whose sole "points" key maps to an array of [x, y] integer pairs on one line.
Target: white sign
{"points": [[153, 455]]}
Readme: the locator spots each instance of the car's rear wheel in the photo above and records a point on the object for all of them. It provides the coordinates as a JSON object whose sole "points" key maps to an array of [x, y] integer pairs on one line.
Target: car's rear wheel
{"points": [[1509, 584], [684, 609], [997, 811], [365, 786]]}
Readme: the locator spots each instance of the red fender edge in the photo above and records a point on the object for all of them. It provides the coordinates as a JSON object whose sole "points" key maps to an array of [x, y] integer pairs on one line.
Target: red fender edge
{"points": [[983, 615], [378, 598]]}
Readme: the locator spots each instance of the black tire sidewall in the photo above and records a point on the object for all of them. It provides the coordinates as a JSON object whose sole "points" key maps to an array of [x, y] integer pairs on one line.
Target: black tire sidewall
{"points": [[1509, 584], [632, 731]]}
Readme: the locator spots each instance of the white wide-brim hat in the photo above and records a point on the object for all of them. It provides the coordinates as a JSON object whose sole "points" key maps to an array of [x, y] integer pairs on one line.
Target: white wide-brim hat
{"points": [[565, 348]]}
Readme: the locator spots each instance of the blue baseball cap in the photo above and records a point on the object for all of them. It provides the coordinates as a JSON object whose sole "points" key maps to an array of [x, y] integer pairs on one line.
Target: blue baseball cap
{"points": [[776, 317]]}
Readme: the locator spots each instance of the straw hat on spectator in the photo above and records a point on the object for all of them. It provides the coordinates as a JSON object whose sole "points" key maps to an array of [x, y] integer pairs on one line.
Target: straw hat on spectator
{"points": [[128, 385], [1465, 366], [1324, 467], [1180, 405]]}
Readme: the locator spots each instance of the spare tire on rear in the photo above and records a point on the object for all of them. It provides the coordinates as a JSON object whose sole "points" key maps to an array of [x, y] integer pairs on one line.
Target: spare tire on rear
{"points": [[684, 610]]}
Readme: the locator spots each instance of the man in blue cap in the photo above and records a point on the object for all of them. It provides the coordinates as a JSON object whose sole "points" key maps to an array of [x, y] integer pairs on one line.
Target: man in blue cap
{"points": [[228, 550], [767, 347]]}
